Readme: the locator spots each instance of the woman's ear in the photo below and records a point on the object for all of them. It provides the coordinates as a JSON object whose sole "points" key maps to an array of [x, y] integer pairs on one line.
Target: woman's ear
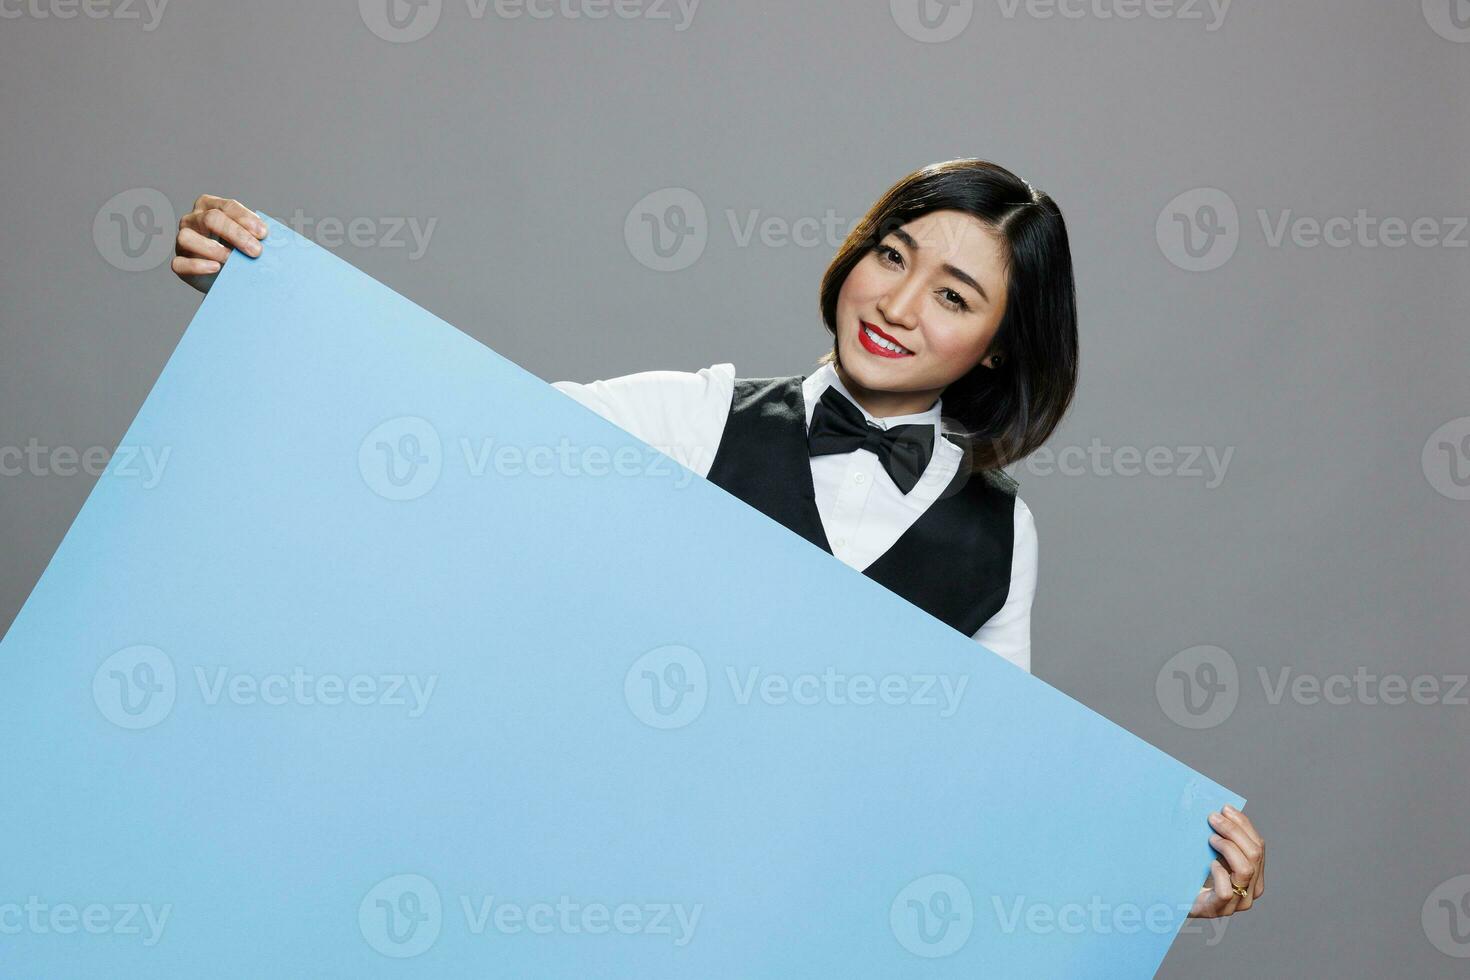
{"points": [[994, 361]]}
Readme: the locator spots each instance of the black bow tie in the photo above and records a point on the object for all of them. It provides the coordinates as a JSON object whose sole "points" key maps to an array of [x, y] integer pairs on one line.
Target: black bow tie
{"points": [[838, 426]]}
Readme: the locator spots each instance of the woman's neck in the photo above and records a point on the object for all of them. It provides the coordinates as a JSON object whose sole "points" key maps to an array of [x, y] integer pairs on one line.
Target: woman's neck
{"points": [[886, 404]]}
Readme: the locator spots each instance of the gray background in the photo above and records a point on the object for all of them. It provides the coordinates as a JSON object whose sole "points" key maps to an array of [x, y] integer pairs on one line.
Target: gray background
{"points": [[1330, 545]]}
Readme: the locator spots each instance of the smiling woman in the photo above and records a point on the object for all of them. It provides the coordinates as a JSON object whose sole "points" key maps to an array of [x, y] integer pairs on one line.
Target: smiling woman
{"points": [[952, 313]]}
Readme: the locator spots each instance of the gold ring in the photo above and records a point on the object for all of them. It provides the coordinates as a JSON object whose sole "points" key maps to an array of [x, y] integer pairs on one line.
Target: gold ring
{"points": [[1238, 889]]}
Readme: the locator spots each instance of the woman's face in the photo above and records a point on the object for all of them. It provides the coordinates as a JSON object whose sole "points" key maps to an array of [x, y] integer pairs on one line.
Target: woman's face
{"points": [[935, 287]]}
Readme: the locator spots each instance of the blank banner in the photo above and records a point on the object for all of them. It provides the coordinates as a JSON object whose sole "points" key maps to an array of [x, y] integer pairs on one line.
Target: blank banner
{"points": [[371, 654]]}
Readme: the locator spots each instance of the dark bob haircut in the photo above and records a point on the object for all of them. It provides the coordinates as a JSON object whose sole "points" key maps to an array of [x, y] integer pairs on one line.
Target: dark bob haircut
{"points": [[1005, 413]]}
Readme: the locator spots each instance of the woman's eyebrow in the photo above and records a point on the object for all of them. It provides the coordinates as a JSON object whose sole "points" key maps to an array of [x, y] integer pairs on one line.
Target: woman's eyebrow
{"points": [[955, 271]]}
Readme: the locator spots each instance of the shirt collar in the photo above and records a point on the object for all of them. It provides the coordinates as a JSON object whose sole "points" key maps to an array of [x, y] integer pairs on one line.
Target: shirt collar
{"points": [[818, 381]]}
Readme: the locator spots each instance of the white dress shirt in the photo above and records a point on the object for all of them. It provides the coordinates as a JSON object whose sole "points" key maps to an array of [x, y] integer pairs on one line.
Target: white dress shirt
{"points": [[683, 414]]}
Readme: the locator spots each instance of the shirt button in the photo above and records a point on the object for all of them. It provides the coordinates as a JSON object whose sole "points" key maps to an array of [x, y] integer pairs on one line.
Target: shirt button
{"points": [[858, 478], [840, 542]]}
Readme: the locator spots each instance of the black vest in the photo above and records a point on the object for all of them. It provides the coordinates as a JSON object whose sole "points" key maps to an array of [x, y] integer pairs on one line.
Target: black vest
{"points": [[954, 562]]}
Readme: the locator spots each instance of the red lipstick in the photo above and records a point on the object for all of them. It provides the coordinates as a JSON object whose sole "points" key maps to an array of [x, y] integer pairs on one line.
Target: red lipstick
{"points": [[864, 326]]}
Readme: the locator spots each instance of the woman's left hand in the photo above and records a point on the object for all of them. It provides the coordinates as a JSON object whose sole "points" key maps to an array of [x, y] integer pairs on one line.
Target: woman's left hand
{"points": [[1244, 851]]}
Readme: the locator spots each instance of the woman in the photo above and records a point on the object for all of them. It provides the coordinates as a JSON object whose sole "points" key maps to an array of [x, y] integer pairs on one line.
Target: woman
{"points": [[954, 293]]}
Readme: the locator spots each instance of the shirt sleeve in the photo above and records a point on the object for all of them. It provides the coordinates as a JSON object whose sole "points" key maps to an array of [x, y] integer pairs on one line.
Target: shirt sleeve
{"points": [[1008, 632], [682, 414]]}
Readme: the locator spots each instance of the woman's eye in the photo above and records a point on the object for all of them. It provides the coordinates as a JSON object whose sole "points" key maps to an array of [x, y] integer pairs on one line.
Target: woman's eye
{"points": [[884, 251], [958, 302]]}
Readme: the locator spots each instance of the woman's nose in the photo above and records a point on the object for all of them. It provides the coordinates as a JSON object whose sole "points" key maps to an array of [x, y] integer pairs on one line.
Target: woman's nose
{"points": [[901, 305]]}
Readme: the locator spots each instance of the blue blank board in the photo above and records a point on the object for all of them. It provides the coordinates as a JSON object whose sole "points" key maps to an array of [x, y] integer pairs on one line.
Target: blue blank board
{"points": [[398, 662]]}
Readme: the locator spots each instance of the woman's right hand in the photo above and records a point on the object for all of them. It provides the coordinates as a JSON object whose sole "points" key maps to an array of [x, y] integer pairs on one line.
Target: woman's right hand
{"points": [[207, 234]]}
